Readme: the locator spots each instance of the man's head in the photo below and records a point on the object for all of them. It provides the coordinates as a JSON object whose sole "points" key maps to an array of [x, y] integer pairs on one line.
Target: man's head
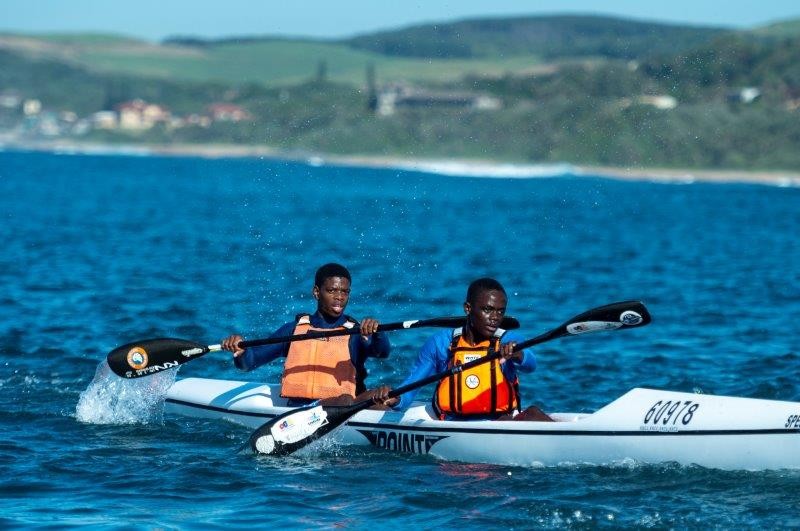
{"points": [[331, 289], [485, 307]]}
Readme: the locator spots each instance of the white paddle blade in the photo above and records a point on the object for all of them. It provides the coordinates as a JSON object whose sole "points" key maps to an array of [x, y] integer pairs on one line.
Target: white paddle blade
{"points": [[299, 426]]}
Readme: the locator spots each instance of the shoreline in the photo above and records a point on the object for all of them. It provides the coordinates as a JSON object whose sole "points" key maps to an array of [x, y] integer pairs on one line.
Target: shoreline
{"points": [[455, 166]]}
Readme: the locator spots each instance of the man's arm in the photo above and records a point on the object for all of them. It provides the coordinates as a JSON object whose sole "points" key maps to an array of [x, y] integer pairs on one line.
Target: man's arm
{"points": [[427, 363], [254, 357]]}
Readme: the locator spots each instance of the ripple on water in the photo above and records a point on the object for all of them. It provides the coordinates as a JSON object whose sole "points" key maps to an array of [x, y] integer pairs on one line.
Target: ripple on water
{"points": [[107, 261]]}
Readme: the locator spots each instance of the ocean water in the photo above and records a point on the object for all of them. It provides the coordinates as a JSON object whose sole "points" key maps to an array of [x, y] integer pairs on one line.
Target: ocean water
{"points": [[102, 250]]}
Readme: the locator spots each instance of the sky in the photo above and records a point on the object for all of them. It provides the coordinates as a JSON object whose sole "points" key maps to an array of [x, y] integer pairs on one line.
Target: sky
{"points": [[155, 20]]}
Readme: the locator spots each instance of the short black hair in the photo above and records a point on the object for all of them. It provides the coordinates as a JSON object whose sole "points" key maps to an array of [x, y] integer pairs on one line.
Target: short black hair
{"points": [[330, 270], [483, 284]]}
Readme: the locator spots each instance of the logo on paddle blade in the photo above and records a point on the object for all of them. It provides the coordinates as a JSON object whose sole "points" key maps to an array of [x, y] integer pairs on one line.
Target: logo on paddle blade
{"points": [[299, 425], [137, 358], [591, 326], [630, 318]]}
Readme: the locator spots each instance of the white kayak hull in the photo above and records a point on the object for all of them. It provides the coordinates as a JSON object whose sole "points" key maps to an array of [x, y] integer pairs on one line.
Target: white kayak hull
{"points": [[643, 425]]}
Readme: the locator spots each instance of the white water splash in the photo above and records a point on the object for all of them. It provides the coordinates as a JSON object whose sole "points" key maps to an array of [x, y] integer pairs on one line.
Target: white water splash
{"points": [[110, 399]]}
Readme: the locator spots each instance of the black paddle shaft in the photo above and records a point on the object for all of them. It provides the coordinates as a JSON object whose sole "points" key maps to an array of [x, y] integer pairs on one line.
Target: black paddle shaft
{"points": [[149, 356], [508, 323]]}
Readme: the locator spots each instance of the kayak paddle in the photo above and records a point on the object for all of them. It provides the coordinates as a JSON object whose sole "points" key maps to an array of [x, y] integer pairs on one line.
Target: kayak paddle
{"points": [[299, 427], [149, 356]]}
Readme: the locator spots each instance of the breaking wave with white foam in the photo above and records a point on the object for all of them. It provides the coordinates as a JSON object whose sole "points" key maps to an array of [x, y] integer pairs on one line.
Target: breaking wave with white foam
{"points": [[485, 169]]}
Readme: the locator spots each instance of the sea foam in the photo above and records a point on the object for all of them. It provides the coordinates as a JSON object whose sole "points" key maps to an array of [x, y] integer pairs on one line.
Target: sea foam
{"points": [[478, 169]]}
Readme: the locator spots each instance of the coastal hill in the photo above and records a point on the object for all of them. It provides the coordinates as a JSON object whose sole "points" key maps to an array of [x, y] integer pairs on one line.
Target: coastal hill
{"points": [[585, 90], [551, 38], [427, 53]]}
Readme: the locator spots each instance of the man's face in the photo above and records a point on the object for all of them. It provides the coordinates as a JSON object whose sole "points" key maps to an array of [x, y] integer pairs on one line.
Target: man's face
{"points": [[485, 313], [332, 296]]}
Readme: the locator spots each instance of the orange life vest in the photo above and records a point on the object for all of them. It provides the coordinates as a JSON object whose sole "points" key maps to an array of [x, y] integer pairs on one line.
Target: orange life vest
{"points": [[482, 390], [319, 368]]}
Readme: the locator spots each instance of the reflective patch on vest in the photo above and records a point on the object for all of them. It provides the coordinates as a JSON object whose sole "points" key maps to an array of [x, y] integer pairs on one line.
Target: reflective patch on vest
{"points": [[472, 381]]}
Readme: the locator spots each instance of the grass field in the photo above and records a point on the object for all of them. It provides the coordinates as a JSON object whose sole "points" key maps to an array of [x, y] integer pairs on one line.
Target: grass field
{"points": [[272, 63]]}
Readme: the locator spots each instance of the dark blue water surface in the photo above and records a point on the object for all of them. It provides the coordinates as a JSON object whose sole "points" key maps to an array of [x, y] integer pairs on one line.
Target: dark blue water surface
{"points": [[102, 250]]}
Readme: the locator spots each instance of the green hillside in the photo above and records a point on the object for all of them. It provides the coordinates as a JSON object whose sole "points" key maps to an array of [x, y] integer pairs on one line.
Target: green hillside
{"points": [[730, 62], [598, 99], [433, 53], [64, 86], [786, 28], [550, 37]]}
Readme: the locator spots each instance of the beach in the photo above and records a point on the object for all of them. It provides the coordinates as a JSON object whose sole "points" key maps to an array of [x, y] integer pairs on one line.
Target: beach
{"points": [[443, 166]]}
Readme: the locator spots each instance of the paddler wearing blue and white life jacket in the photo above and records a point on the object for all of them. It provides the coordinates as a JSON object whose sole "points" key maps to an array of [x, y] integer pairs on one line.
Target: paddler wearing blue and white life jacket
{"points": [[330, 368], [488, 391]]}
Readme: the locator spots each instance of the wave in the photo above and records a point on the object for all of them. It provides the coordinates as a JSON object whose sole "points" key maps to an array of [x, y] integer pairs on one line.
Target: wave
{"points": [[497, 170], [448, 167]]}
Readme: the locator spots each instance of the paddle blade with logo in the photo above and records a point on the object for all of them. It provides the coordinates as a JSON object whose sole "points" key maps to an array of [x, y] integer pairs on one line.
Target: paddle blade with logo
{"points": [[625, 314], [149, 356], [300, 427]]}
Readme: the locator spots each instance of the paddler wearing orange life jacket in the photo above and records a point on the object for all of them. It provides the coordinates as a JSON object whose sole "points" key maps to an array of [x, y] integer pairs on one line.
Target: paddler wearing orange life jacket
{"points": [[489, 390], [329, 368]]}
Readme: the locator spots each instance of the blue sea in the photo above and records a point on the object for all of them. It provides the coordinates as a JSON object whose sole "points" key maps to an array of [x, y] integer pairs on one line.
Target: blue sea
{"points": [[101, 250]]}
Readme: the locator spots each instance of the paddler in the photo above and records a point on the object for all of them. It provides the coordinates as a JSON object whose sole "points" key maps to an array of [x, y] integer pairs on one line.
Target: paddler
{"points": [[327, 368], [489, 390]]}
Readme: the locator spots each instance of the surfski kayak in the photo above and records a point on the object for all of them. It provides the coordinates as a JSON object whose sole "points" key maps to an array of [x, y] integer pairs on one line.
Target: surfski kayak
{"points": [[642, 425]]}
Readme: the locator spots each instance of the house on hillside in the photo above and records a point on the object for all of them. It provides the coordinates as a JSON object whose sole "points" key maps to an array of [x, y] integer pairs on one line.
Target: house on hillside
{"points": [[399, 96], [10, 99], [103, 120], [227, 112], [744, 95], [138, 115], [659, 101], [31, 107]]}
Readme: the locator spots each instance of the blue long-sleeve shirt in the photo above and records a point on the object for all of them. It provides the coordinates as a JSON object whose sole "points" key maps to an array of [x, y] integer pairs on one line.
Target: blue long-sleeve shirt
{"points": [[434, 356], [375, 346]]}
